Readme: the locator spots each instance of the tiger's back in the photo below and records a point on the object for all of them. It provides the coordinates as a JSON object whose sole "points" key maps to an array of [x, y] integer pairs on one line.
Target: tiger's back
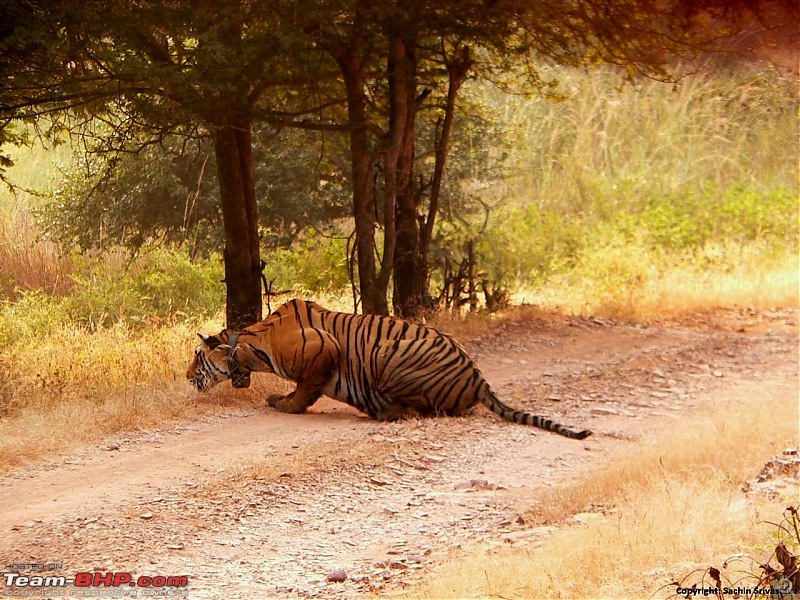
{"points": [[385, 367]]}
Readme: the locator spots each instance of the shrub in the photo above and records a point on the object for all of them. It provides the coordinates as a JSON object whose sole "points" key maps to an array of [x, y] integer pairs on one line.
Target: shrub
{"points": [[28, 317], [158, 286], [314, 264], [162, 286]]}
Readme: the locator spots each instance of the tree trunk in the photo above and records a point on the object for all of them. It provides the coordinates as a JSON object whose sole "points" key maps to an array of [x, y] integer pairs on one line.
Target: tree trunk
{"points": [[413, 243], [457, 73], [400, 197], [372, 301], [233, 149], [471, 286], [398, 74], [409, 281]]}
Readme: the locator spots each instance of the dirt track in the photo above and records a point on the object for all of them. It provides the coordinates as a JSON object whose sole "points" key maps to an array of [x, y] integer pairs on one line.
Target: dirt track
{"points": [[262, 504]]}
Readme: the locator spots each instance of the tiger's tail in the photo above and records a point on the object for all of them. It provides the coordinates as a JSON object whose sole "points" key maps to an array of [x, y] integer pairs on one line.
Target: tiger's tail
{"points": [[504, 411]]}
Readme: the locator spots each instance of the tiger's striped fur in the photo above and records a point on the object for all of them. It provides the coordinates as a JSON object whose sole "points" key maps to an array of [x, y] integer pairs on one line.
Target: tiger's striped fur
{"points": [[385, 367]]}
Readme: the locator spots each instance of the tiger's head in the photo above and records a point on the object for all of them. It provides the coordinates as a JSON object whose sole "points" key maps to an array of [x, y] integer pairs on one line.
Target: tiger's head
{"points": [[214, 362]]}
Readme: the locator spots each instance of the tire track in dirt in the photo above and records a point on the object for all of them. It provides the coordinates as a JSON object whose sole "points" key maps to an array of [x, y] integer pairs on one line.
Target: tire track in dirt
{"points": [[266, 504]]}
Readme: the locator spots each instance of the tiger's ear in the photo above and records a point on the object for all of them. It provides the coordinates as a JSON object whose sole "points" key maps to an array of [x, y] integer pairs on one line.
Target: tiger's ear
{"points": [[211, 341]]}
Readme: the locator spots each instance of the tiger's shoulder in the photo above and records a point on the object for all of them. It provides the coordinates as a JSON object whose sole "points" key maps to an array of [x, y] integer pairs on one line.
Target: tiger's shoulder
{"points": [[297, 307]]}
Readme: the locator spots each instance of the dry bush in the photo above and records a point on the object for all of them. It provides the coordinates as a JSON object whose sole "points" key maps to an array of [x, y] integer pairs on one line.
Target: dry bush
{"points": [[748, 576], [29, 263]]}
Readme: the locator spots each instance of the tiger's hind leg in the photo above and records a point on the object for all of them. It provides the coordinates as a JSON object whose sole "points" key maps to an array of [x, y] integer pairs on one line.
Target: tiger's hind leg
{"points": [[421, 377], [393, 411]]}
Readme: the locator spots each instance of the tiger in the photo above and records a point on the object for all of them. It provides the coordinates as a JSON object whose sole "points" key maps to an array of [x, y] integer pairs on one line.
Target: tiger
{"points": [[385, 367]]}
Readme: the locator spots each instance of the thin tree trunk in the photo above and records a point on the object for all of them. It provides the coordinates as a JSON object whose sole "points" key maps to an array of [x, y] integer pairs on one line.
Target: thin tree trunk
{"points": [[471, 286], [363, 187], [348, 54], [413, 240], [408, 293], [399, 71], [233, 149], [457, 75], [401, 263]]}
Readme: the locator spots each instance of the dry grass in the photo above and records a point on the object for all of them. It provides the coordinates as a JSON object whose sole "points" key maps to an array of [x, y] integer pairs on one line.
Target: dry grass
{"points": [[26, 261], [677, 508], [471, 325], [711, 127], [687, 290]]}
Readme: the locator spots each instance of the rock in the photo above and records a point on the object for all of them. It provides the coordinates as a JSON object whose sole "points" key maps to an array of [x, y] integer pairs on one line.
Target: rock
{"points": [[587, 517], [604, 411], [337, 575], [527, 535], [475, 484]]}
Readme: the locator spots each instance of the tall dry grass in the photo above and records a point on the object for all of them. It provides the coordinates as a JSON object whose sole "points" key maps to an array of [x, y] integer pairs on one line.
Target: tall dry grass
{"points": [[27, 262], [647, 139], [632, 198]]}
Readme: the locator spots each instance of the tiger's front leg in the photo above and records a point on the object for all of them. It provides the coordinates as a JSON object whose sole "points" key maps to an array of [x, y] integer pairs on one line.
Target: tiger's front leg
{"points": [[295, 402], [310, 360]]}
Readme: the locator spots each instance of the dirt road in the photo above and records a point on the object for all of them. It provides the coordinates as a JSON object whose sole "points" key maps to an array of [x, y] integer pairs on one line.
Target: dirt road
{"points": [[261, 504]]}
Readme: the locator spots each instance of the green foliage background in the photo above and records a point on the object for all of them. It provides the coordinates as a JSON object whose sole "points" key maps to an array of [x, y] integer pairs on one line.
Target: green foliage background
{"points": [[158, 288], [603, 188]]}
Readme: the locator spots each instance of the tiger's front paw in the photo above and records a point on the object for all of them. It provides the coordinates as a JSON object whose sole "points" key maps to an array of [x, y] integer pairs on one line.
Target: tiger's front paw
{"points": [[286, 404], [274, 399]]}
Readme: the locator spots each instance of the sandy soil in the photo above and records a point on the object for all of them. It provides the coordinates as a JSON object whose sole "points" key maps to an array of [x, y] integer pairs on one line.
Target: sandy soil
{"points": [[261, 504]]}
